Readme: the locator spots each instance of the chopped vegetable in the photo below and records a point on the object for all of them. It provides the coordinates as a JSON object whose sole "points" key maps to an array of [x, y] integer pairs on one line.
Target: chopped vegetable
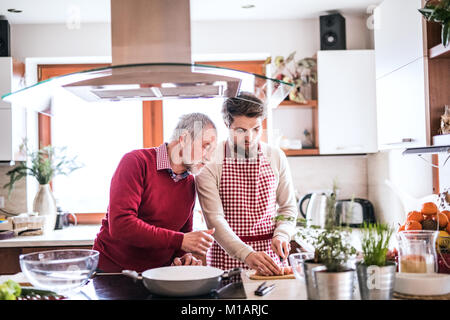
{"points": [[9, 290]]}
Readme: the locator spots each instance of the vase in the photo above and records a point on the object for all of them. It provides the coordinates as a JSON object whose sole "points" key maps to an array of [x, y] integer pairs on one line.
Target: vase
{"points": [[45, 205], [334, 285], [376, 282], [311, 288]]}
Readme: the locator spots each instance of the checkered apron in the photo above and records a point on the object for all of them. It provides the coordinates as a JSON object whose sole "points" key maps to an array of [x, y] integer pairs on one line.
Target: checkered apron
{"points": [[248, 194]]}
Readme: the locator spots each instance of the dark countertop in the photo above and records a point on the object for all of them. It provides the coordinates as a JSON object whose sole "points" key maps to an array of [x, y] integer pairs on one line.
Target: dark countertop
{"points": [[120, 287]]}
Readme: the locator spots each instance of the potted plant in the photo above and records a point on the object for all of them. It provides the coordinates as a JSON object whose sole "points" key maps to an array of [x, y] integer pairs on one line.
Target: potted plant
{"points": [[43, 164], [301, 73], [376, 274], [331, 275], [439, 11]]}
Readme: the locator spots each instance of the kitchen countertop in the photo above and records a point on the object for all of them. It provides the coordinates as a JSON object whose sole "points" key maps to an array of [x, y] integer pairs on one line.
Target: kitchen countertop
{"points": [[285, 289], [81, 235]]}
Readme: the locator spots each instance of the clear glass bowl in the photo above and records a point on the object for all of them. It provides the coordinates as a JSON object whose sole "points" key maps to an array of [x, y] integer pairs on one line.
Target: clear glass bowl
{"points": [[296, 261], [59, 270]]}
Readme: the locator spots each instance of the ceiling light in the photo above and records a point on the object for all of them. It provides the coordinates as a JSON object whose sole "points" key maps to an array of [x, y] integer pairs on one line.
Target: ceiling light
{"points": [[248, 6], [14, 11]]}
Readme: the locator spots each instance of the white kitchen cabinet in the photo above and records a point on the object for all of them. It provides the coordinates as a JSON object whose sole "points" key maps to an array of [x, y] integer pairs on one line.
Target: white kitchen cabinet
{"points": [[401, 107], [12, 119], [347, 102], [398, 34]]}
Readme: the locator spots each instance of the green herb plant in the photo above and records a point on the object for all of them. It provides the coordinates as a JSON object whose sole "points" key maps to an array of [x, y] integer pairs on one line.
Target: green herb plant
{"points": [[439, 11], [44, 164], [375, 243], [331, 244]]}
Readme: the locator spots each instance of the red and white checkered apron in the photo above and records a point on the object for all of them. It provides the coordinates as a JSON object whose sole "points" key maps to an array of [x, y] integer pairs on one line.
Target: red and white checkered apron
{"points": [[248, 194]]}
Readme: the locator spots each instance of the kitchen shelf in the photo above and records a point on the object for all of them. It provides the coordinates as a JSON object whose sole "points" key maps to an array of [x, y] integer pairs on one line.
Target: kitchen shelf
{"points": [[292, 104], [301, 152], [439, 51]]}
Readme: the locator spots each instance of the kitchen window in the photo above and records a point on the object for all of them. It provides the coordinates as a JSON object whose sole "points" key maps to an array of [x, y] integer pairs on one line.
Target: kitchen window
{"points": [[100, 144]]}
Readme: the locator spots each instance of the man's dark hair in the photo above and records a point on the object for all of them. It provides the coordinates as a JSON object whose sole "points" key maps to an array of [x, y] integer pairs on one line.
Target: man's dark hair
{"points": [[244, 104]]}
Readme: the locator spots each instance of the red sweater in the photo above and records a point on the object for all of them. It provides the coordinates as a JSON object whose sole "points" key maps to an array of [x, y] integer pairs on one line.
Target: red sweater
{"points": [[147, 215]]}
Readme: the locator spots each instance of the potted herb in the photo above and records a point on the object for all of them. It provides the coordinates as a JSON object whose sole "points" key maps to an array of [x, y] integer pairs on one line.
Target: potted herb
{"points": [[43, 164], [329, 274], [439, 11], [376, 275]]}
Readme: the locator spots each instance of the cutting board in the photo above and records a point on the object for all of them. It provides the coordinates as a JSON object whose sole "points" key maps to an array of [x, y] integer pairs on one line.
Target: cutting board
{"points": [[252, 275]]}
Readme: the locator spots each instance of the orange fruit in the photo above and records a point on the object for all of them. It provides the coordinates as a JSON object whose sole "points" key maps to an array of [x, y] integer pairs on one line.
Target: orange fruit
{"points": [[415, 216], [429, 208], [402, 228], [413, 225], [447, 213], [448, 228], [443, 220], [429, 216]]}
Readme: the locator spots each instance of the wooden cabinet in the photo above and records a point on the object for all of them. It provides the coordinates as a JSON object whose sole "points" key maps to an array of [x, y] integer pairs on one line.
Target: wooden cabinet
{"points": [[347, 102]]}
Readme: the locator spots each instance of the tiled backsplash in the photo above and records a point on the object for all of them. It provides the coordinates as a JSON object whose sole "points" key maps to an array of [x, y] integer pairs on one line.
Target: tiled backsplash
{"points": [[17, 203], [311, 174]]}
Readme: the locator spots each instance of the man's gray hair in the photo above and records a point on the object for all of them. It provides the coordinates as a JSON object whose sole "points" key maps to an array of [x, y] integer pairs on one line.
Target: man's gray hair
{"points": [[193, 123]]}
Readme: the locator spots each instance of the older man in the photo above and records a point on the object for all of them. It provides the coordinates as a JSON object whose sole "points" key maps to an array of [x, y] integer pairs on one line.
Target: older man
{"points": [[239, 193], [152, 196]]}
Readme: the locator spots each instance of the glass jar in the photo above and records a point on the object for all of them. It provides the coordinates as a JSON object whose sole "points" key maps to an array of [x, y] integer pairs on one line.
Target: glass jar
{"points": [[417, 251]]}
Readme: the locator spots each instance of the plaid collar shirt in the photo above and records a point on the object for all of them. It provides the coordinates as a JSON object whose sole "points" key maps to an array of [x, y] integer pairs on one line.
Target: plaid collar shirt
{"points": [[163, 163]]}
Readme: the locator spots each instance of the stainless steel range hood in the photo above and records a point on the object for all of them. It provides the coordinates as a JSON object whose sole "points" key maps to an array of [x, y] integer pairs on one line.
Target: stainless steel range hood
{"points": [[151, 56]]}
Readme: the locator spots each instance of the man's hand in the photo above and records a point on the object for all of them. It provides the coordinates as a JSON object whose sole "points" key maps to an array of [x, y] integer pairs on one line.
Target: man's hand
{"points": [[262, 263], [281, 248], [187, 260], [198, 241]]}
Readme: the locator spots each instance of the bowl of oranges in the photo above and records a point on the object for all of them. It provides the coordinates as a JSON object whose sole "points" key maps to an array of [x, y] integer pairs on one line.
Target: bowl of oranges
{"points": [[431, 218]]}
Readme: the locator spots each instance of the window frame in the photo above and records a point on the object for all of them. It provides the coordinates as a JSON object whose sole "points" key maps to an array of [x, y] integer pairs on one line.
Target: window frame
{"points": [[152, 111]]}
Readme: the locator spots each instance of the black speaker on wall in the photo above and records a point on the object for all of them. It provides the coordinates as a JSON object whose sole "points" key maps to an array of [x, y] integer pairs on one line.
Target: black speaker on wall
{"points": [[332, 32], [5, 47]]}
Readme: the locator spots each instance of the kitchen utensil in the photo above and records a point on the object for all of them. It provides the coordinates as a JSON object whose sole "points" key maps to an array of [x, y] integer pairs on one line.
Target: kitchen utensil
{"points": [[59, 270], [62, 220], [263, 290], [354, 214], [348, 213], [296, 261], [424, 284], [253, 276], [417, 251], [316, 209], [182, 281]]}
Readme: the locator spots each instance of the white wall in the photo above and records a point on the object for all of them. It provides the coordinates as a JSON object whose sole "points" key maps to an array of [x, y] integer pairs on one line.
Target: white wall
{"points": [[56, 40], [277, 37], [412, 180]]}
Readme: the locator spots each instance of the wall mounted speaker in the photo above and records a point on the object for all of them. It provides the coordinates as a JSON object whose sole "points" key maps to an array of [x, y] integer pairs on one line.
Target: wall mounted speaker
{"points": [[332, 32], [5, 47]]}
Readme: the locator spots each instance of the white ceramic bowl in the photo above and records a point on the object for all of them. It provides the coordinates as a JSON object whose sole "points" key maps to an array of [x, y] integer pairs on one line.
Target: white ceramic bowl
{"points": [[422, 284]]}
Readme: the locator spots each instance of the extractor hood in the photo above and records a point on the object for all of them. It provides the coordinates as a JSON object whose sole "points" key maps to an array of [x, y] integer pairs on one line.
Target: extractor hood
{"points": [[151, 60], [441, 144]]}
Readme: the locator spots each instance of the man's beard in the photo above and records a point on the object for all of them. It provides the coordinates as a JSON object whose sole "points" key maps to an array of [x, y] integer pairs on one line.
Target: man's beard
{"points": [[243, 151]]}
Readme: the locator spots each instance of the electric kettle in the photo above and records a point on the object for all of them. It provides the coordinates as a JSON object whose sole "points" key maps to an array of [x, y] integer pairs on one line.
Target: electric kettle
{"points": [[315, 210]]}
